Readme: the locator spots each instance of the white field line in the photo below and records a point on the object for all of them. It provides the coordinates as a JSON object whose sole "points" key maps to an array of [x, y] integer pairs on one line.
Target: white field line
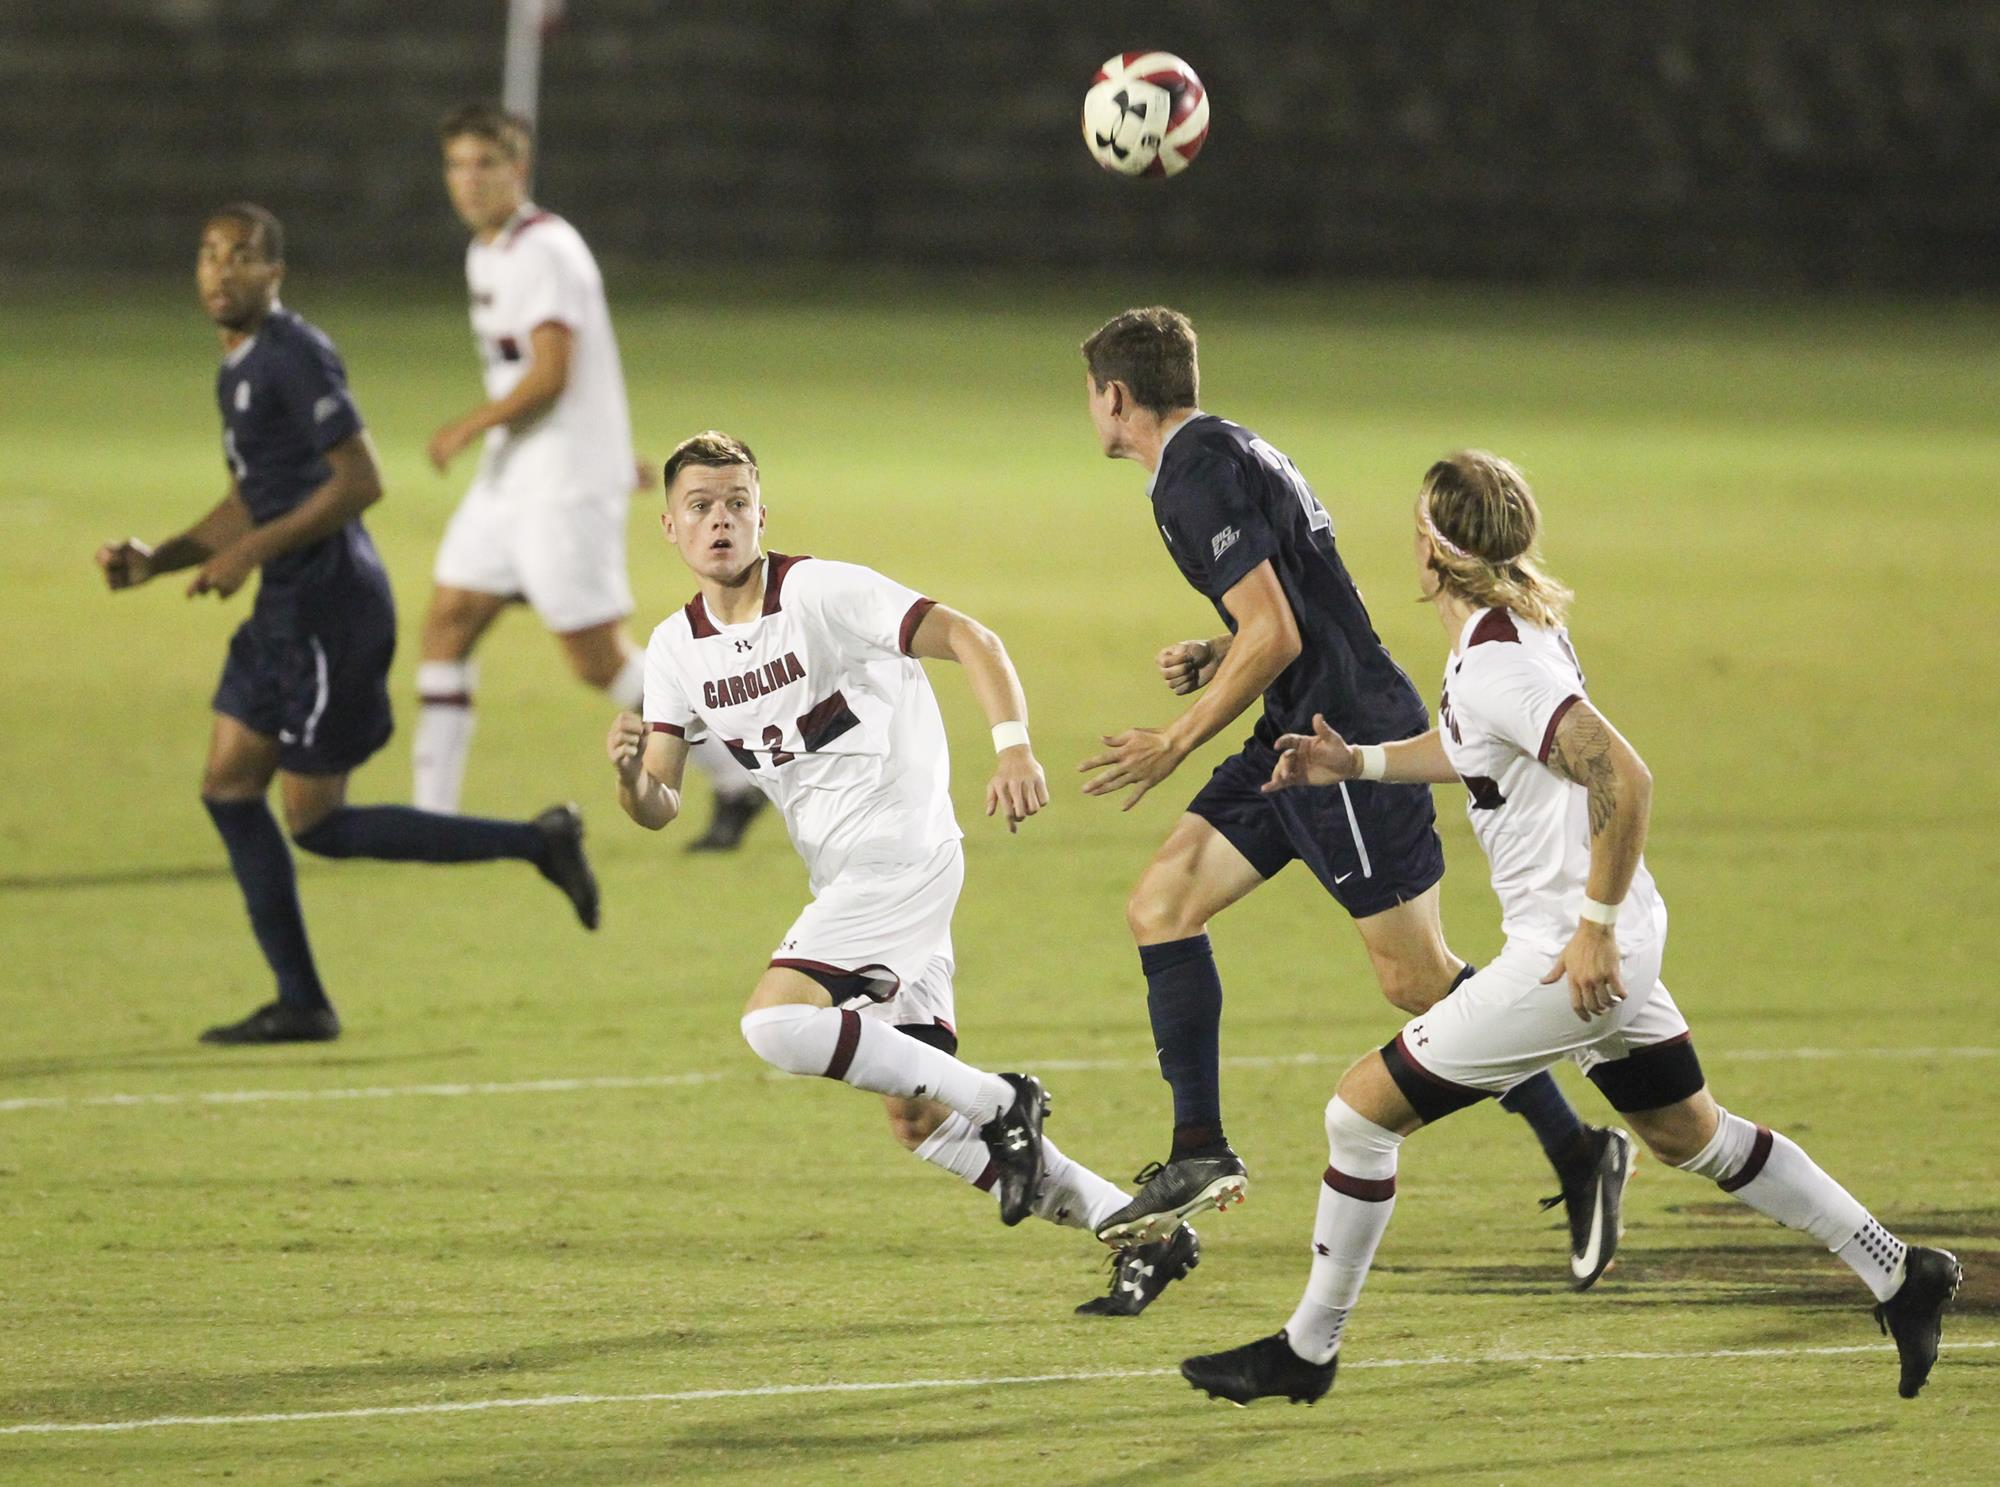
{"points": [[767, 1391], [669, 1081]]}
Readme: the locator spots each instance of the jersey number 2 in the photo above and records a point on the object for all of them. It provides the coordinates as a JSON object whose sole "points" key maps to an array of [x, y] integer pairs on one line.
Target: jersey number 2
{"points": [[1317, 518]]}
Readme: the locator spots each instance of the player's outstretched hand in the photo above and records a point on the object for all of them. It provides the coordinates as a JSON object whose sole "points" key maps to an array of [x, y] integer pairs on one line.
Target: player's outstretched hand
{"points": [[1590, 960], [449, 442], [1139, 757], [126, 564], [1018, 786], [223, 574], [1186, 665], [626, 744], [1321, 758]]}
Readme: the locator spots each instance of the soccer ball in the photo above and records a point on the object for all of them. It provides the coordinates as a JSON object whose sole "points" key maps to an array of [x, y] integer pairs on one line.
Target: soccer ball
{"points": [[1146, 114]]}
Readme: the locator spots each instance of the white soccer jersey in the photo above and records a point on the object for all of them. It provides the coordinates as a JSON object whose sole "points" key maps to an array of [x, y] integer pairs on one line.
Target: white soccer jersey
{"points": [[821, 700], [1505, 690], [537, 270]]}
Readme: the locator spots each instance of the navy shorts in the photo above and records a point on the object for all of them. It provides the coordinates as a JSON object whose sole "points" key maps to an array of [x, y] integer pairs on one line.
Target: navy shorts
{"points": [[321, 690], [1371, 845]]}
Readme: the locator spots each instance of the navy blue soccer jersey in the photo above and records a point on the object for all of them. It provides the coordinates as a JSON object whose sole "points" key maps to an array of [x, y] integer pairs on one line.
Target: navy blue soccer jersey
{"points": [[284, 402], [1227, 501]]}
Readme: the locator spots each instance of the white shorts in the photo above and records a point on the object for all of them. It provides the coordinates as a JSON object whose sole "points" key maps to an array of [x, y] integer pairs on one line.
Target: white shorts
{"points": [[1503, 1026], [564, 554], [885, 937]]}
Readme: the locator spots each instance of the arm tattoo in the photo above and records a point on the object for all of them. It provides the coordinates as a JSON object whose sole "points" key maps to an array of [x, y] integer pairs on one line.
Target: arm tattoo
{"points": [[1582, 755]]}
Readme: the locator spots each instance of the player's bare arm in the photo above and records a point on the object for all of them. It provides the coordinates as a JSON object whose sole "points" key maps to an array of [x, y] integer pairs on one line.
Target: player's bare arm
{"points": [[354, 486], [1589, 752], [1323, 757], [531, 397], [1265, 643], [649, 767], [1189, 665], [130, 562], [1018, 787]]}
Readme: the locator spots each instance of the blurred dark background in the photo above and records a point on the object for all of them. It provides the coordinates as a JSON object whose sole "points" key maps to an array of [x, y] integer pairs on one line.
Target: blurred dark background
{"points": [[1782, 143]]}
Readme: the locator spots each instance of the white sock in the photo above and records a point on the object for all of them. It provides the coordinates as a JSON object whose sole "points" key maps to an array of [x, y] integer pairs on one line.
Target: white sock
{"points": [[730, 780], [444, 733], [857, 1050], [1356, 1197], [1070, 1193], [628, 688], [1769, 1172]]}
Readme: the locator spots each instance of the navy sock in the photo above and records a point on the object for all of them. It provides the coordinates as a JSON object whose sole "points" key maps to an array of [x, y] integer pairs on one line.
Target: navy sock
{"points": [[1184, 1001], [263, 867], [401, 833], [1554, 1121]]}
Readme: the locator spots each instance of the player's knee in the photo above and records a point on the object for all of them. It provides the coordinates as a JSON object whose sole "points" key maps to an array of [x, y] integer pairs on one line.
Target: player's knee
{"points": [[598, 671], [780, 1036], [1156, 914], [316, 830], [1408, 990]]}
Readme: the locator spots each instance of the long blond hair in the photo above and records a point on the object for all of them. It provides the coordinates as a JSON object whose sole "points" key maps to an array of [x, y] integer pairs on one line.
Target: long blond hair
{"points": [[1483, 524]]}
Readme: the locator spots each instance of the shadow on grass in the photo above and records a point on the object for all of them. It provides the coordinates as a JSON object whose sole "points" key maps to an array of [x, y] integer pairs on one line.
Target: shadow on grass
{"points": [[114, 877], [302, 1056]]}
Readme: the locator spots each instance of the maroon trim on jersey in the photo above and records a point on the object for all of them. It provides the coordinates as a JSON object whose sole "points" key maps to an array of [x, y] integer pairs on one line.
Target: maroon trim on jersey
{"points": [[985, 1180], [698, 620], [1367, 1189], [1555, 718], [774, 582], [445, 699], [906, 633], [514, 233], [1760, 1153], [1495, 624], [674, 728], [844, 1045]]}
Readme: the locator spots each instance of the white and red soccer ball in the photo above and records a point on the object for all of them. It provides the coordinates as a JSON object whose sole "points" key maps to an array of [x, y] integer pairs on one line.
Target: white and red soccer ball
{"points": [[1146, 114]]}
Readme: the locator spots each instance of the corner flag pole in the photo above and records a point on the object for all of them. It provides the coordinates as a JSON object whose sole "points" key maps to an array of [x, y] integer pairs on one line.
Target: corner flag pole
{"points": [[521, 73]]}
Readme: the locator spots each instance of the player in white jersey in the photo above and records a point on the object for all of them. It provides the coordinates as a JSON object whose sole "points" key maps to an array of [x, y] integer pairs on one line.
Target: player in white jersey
{"points": [[544, 519], [809, 673], [1560, 803]]}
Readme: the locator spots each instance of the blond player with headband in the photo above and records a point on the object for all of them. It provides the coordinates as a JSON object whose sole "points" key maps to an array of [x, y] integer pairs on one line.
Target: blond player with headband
{"points": [[1560, 803]]}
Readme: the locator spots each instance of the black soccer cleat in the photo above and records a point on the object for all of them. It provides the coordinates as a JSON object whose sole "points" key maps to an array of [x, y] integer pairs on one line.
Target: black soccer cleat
{"points": [[1262, 1369], [562, 861], [279, 1022], [1592, 1202], [1141, 1271], [1172, 1190], [732, 818], [1014, 1142], [1914, 1316]]}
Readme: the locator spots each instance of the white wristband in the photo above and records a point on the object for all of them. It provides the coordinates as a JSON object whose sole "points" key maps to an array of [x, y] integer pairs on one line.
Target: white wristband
{"points": [[1007, 735], [1597, 913], [1374, 760]]}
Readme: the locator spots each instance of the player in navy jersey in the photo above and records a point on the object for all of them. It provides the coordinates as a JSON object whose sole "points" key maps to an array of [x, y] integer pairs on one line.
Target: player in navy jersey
{"points": [[1247, 532], [304, 694]]}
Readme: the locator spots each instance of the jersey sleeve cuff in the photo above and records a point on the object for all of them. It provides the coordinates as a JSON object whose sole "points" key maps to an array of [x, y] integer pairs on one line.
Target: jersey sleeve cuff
{"points": [[1555, 720], [906, 634], [674, 728]]}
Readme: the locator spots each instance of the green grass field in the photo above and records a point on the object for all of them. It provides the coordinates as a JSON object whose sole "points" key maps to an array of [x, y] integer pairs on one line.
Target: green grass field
{"points": [[539, 1216]]}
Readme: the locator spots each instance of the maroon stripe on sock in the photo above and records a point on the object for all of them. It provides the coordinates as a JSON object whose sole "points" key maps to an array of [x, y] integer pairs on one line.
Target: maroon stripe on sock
{"points": [[844, 1045], [1760, 1153], [985, 1180], [1367, 1189], [445, 699]]}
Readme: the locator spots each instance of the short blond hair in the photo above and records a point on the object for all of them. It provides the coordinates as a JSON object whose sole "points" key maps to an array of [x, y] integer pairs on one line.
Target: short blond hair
{"points": [[1484, 528], [710, 447]]}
